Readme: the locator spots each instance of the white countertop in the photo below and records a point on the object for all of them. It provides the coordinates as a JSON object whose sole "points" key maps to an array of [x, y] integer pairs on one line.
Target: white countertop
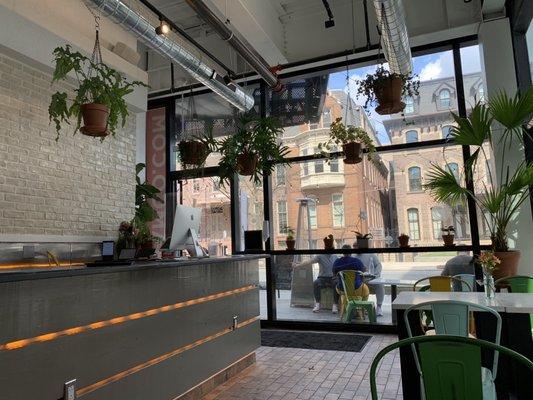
{"points": [[408, 299], [391, 281], [516, 302]]}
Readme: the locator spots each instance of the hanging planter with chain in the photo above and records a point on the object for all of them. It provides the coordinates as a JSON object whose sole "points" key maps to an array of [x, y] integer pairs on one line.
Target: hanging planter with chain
{"points": [[98, 101]]}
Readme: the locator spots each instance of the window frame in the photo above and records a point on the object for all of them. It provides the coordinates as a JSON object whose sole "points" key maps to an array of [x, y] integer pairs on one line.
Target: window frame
{"points": [[333, 214], [407, 136], [411, 180], [410, 224]]}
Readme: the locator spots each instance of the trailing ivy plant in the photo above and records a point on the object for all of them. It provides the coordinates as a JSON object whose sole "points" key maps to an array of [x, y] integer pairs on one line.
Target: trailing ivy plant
{"points": [[340, 134], [97, 83]]}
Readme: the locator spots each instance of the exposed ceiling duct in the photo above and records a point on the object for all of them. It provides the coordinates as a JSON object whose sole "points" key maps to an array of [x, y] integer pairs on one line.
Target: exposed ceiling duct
{"points": [[394, 36], [130, 20], [242, 47]]}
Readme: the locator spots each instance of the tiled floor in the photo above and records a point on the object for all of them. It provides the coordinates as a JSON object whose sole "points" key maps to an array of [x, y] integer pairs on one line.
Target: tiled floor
{"points": [[294, 374]]}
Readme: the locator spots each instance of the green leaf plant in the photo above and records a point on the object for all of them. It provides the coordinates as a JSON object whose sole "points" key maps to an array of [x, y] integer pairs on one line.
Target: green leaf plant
{"points": [[96, 83], [501, 197], [144, 211]]}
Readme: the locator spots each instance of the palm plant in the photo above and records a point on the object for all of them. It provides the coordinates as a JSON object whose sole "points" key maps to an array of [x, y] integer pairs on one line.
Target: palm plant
{"points": [[501, 199]]}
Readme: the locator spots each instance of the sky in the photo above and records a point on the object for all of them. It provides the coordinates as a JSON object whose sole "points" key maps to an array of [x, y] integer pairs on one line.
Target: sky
{"points": [[427, 67]]}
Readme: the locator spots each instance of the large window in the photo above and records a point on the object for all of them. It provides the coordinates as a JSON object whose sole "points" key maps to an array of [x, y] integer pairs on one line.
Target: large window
{"points": [[414, 223], [411, 136], [311, 209], [282, 217], [409, 105], [280, 174], [445, 100], [415, 179], [446, 131], [437, 218], [337, 206]]}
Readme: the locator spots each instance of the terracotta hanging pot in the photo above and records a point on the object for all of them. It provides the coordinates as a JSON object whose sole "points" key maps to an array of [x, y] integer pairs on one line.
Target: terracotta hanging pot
{"points": [[509, 263], [192, 152], [247, 163], [352, 153], [95, 117], [389, 96]]}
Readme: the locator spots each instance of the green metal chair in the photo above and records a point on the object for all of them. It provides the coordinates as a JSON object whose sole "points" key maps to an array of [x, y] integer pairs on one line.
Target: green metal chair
{"points": [[452, 318], [450, 365], [352, 301], [517, 284]]}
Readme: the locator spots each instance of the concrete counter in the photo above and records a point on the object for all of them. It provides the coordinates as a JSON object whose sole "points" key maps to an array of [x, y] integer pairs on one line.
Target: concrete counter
{"points": [[148, 331]]}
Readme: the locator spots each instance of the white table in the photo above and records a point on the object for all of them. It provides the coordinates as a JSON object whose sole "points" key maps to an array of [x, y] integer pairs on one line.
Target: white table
{"points": [[514, 309]]}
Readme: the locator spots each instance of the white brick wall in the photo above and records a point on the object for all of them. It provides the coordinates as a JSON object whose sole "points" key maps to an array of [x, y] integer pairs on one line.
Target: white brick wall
{"points": [[76, 186]]}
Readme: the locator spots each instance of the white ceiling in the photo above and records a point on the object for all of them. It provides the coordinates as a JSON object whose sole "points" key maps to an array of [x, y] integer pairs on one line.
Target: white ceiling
{"points": [[293, 30]]}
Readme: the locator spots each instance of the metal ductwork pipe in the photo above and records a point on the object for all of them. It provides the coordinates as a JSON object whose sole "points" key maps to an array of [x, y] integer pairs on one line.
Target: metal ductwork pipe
{"points": [[242, 47], [394, 36], [130, 20]]}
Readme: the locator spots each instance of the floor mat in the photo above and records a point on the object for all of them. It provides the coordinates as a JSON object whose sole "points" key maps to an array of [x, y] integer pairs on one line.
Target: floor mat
{"points": [[314, 340]]}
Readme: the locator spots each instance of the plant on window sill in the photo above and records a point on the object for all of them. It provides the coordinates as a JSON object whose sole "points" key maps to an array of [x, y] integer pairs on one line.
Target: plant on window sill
{"points": [[99, 97], [499, 204]]}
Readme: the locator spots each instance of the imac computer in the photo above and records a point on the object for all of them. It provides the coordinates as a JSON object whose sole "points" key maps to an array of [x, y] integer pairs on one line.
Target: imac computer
{"points": [[185, 231]]}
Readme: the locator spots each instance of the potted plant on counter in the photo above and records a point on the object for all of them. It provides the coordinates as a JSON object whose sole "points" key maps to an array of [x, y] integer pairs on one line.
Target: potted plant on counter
{"points": [[385, 89], [496, 127], [290, 241], [448, 235], [98, 100], [351, 138], [253, 150], [403, 239], [144, 211]]}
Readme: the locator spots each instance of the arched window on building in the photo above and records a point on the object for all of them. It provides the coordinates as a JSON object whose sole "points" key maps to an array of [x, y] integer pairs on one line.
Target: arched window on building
{"points": [[415, 179], [437, 221], [414, 223], [445, 98], [446, 131], [411, 136], [409, 105]]}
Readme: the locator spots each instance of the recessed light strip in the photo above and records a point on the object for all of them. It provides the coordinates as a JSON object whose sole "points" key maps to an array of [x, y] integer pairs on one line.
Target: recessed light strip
{"points": [[18, 344], [114, 378]]}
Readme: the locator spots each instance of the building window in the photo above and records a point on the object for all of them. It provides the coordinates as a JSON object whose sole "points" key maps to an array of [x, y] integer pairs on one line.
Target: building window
{"points": [[319, 164], [326, 117], [460, 222], [311, 209], [446, 131], [305, 165], [445, 99], [454, 169], [216, 183], [437, 219], [282, 216], [481, 94], [334, 162], [280, 174], [196, 186], [414, 224], [411, 137], [313, 126], [415, 179], [337, 206], [409, 105]]}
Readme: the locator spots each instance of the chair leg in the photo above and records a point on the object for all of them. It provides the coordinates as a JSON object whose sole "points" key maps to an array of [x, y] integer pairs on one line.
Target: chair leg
{"points": [[349, 310], [372, 314]]}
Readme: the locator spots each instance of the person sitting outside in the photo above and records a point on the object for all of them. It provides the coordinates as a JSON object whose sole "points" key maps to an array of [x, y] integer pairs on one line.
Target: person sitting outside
{"points": [[373, 266], [349, 263], [324, 279], [460, 264]]}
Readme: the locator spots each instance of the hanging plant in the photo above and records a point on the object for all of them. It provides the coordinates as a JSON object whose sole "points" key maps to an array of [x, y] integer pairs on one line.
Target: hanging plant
{"points": [[351, 138], [386, 89], [98, 100], [253, 150]]}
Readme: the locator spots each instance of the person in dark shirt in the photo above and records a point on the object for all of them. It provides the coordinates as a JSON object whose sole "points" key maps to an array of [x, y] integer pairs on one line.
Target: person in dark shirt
{"points": [[349, 263]]}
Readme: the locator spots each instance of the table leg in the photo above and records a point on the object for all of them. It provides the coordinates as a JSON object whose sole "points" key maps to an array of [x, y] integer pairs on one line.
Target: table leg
{"points": [[518, 338], [393, 295], [410, 376]]}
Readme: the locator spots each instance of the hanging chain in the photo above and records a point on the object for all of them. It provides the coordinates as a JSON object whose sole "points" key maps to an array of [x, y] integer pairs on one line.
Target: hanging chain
{"points": [[96, 57]]}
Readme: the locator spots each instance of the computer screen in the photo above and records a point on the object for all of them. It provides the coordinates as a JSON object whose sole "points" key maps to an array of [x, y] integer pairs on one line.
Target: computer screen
{"points": [[186, 218]]}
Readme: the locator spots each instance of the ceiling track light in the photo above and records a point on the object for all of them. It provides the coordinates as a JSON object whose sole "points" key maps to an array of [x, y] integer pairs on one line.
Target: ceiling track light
{"points": [[163, 29]]}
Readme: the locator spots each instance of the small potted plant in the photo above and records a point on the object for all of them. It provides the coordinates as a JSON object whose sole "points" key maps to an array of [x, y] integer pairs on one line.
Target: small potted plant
{"points": [[489, 263], [126, 236], [329, 242], [351, 138], [98, 100], [253, 150], [194, 151], [448, 235], [363, 240], [290, 241], [404, 240], [386, 89]]}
